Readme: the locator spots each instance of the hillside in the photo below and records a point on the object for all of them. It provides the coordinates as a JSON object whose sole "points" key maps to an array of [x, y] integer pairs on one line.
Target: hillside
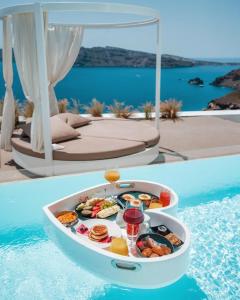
{"points": [[118, 57], [231, 79], [231, 100]]}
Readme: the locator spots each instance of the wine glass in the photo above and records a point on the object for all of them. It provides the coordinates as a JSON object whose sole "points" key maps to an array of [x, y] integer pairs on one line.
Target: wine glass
{"points": [[134, 217], [112, 176]]}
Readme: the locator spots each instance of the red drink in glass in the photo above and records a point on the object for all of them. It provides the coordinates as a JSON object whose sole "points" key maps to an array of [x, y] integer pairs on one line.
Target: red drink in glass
{"points": [[165, 198], [133, 217]]}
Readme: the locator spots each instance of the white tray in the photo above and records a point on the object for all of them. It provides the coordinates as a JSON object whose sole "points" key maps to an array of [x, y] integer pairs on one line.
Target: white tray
{"points": [[129, 271]]}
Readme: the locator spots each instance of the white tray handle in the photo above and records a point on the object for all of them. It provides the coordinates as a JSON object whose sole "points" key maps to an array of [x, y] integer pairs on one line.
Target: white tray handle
{"points": [[125, 185], [126, 265]]}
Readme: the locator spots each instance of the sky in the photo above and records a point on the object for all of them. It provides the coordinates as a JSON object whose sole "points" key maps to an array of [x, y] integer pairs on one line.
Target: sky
{"points": [[190, 28]]}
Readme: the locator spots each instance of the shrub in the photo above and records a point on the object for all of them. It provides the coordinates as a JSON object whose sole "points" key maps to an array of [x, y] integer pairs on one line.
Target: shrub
{"points": [[120, 110], [75, 106], [148, 108], [62, 105], [170, 108], [96, 108], [28, 109]]}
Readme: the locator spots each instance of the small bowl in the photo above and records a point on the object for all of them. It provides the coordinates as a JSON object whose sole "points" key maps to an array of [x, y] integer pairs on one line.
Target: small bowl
{"points": [[68, 224], [157, 238]]}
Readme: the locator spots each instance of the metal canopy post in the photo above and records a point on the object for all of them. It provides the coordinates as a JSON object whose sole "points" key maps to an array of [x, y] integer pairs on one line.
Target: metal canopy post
{"points": [[158, 78], [43, 83]]}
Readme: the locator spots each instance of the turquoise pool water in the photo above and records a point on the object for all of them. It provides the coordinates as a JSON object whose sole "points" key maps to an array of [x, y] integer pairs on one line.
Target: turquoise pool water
{"points": [[32, 267]]}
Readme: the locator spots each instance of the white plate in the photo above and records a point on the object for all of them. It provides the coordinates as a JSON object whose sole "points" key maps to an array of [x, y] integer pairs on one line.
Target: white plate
{"points": [[113, 230]]}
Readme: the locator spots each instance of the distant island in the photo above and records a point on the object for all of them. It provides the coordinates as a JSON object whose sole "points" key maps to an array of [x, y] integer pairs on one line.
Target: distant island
{"points": [[231, 100], [196, 81], [118, 57]]}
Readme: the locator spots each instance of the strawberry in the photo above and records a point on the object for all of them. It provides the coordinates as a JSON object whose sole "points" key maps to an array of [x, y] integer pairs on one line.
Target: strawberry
{"points": [[140, 245], [94, 213], [95, 208]]}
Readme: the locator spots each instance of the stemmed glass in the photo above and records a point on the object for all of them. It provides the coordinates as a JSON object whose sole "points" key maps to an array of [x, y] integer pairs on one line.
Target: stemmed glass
{"points": [[134, 217], [112, 176]]}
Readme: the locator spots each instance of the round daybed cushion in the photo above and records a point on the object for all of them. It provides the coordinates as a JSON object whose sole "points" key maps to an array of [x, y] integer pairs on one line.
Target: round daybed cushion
{"points": [[84, 148], [73, 120], [125, 130], [60, 130]]}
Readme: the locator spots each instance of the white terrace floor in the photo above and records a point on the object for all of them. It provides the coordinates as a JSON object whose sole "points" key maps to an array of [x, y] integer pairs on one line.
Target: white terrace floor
{"points": [[188, 138]]}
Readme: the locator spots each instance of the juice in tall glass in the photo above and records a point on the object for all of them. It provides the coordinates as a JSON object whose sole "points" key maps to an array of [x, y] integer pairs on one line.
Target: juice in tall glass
{"points": [[133, 217]]}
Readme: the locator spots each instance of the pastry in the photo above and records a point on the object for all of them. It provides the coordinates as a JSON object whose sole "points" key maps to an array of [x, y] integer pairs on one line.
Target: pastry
{"points": [[147, 252], [97, 237], [128, 197], [161, 250], [98, 233], [150, 242], [144, 197], [148, 247], [136, 203], [108, 211], [99, 229]]}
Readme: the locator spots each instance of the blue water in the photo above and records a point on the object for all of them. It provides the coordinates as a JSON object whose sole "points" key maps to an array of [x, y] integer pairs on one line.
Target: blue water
{"points": [[135, 86], [32, 267]]}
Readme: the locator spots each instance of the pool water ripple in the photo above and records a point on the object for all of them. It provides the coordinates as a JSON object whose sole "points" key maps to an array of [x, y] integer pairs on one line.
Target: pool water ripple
{"points": [[215, 262], [42, 272]]}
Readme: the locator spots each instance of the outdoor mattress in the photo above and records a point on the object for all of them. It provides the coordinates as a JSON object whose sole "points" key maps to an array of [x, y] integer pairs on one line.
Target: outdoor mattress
{"points": [[101, 139], [84, 148], [128, 130]]}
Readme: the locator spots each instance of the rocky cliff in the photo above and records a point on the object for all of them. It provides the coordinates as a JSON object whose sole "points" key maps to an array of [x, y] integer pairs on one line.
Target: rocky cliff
{"points": [[231, 79], [231, 100]]}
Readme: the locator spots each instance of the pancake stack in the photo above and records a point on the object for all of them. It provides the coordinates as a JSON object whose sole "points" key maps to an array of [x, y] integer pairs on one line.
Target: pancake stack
{"points": [[98, 233]]}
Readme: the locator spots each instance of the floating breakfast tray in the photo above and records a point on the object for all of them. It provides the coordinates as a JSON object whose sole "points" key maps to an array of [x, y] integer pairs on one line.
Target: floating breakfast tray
{"points": [[130, 271]]}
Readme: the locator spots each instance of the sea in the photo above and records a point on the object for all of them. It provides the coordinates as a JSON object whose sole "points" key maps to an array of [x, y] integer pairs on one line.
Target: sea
{"points": [[135, 86]]}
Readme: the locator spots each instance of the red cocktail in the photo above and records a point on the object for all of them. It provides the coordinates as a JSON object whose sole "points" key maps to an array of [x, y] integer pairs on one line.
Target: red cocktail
{"points": [[133, 217]]}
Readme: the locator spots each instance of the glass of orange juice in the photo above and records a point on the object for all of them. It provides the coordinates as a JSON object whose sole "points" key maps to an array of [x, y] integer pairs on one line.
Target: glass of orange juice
{"points": [[112, 176]]}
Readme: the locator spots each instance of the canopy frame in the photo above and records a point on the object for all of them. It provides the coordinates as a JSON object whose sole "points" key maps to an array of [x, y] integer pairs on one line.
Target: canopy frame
{"points": [[151, 17]]}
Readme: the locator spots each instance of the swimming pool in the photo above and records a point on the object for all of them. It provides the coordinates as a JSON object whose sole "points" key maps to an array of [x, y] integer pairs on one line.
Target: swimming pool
{"points": [[32, 267]]}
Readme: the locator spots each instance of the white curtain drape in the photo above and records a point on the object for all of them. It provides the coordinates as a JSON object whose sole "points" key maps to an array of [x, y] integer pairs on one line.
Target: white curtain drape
{"points": [[8, 118], [25, 51], [63, 45]]}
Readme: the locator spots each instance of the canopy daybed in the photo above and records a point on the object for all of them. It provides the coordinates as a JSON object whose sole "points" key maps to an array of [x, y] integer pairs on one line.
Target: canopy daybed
{"points": [[44, 54]]}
